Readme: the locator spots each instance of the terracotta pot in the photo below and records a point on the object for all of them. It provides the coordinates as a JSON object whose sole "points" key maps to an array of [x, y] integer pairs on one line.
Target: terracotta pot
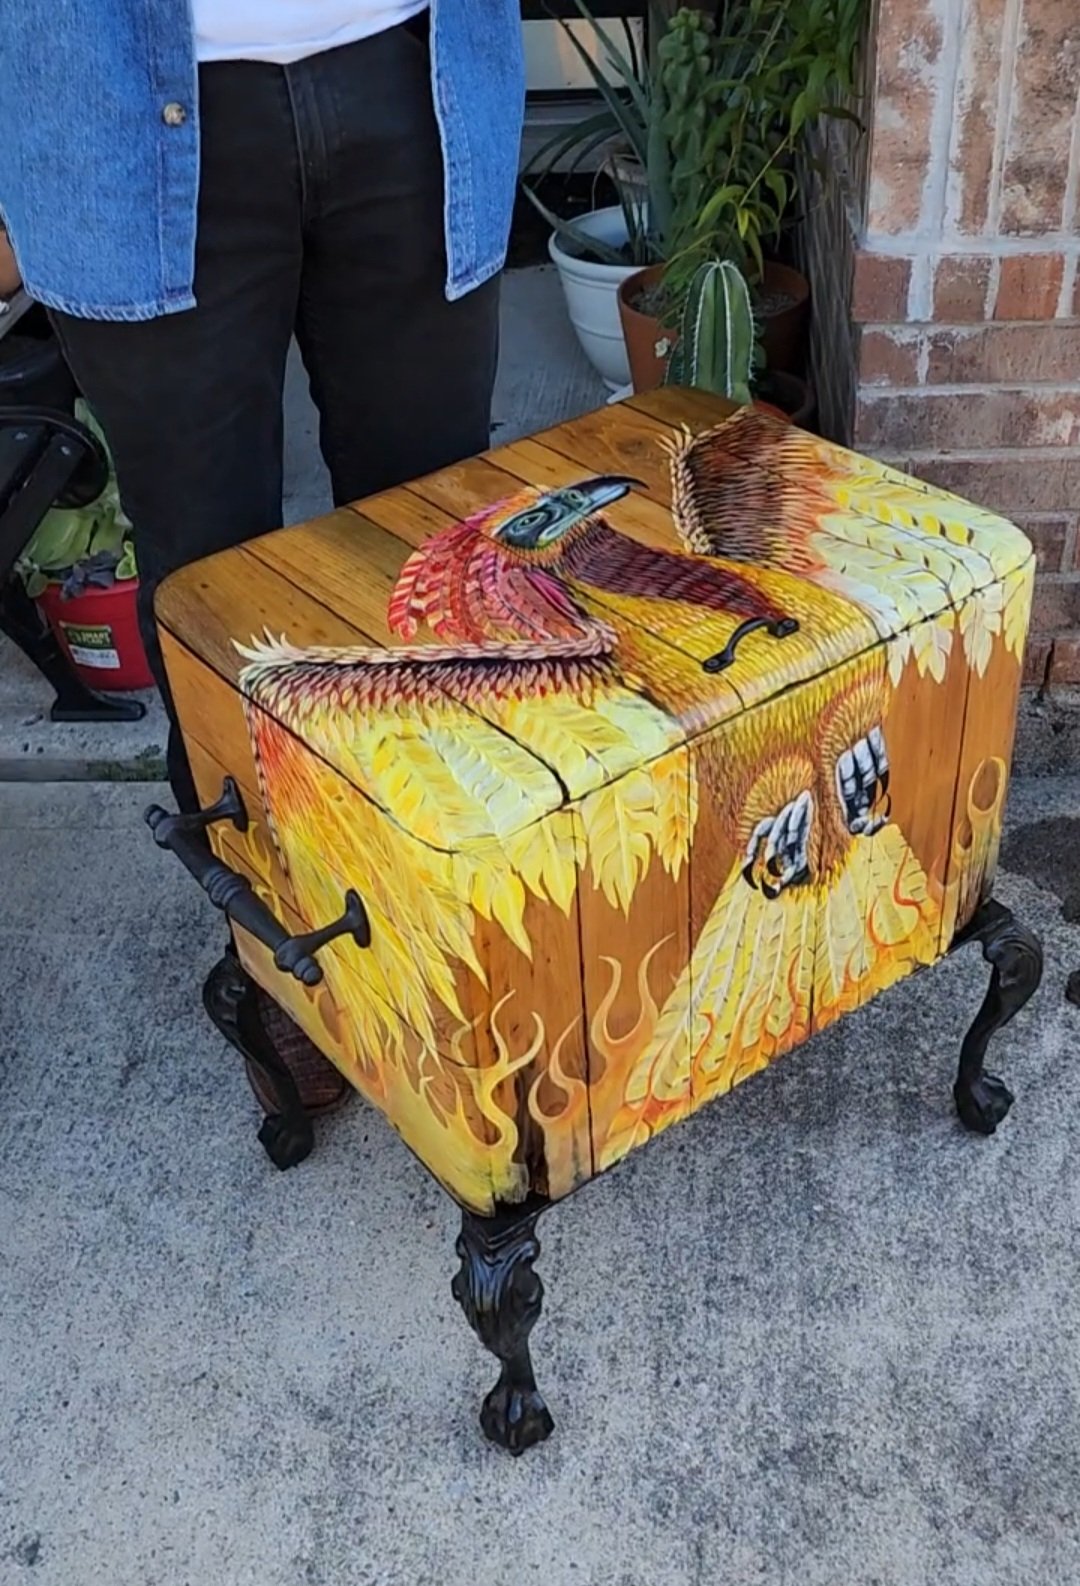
{"points": [[648, 343], [789, 397], [783, 333]]}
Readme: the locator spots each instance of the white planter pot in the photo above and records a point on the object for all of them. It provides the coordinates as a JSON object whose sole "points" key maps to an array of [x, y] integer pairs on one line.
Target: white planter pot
{"points": [[591, 299]]}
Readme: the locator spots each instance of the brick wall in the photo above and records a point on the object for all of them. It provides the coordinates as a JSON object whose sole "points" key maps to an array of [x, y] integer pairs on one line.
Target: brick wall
{"points": [[964, 282]]}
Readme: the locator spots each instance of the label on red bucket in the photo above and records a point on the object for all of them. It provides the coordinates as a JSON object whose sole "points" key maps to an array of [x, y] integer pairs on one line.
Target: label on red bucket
{"points": [[92, 646]]}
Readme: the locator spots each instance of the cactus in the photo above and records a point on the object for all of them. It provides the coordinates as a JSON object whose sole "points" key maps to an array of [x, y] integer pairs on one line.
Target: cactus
{"points": [[716, 346]]}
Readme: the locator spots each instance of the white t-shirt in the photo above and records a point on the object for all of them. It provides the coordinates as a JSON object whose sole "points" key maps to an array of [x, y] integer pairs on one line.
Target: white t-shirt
{"points": [[288, 30]]}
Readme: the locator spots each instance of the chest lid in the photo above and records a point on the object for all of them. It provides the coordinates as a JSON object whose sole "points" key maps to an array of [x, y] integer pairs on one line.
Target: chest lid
{"points": [[490, 643]]}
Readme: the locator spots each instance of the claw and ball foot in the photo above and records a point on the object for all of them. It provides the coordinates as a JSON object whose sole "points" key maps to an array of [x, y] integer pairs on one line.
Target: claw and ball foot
{"points": [[1016, 962], [501, 1296], [286, 1135]]}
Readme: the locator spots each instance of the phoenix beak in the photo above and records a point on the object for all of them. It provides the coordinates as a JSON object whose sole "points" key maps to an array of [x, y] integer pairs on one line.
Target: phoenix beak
{"points": [[607, 488]]}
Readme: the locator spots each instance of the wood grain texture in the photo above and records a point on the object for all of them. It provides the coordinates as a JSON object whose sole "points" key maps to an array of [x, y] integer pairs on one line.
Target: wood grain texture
{"points": [[607, 894], [989, 730], [635, 944]]}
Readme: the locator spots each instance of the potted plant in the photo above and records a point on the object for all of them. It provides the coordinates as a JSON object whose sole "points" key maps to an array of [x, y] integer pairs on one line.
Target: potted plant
{"points": [[80, 569], [708, 126], [717, 348], [741, 89], [596, 252]]}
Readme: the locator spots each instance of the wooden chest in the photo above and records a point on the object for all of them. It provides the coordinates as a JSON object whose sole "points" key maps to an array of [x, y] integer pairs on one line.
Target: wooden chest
{"points": [[638, 752], [651, 746]]}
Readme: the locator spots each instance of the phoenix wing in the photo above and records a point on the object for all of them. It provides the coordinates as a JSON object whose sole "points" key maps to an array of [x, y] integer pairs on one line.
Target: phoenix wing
{"points": [[434, 778], [758, 490]]}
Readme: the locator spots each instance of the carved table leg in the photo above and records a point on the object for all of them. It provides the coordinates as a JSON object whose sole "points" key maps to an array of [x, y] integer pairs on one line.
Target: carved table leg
{"points": [[1016, 961], [229, 998], [501, 1296]]}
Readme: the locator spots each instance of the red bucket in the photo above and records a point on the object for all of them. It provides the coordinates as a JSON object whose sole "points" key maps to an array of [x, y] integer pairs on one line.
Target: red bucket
{"points": [[98, 631]]}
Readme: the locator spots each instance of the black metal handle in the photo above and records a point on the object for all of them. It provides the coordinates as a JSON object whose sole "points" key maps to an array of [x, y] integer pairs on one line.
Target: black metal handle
{"points": [[232, 893], [354, 922], [776, 630]]}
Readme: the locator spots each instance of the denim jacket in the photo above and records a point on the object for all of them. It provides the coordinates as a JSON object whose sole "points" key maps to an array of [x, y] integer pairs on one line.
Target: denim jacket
{"points": [[99, 186]]}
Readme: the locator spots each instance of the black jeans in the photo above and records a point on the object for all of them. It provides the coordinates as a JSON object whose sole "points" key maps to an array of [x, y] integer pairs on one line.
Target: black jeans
{"points": [[320, 214]]}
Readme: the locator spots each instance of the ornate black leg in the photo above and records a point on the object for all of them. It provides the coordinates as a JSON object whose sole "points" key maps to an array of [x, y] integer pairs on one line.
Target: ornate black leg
{"points": [[501, 1295], [229, 998], [1016, 961]]}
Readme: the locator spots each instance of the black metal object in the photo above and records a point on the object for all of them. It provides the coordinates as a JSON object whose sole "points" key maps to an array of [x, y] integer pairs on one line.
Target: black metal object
{"points": [[781, 629], [1016, 960], [229, 998], [48, 459], [502, 1296], [231, 892], [553, 10]]}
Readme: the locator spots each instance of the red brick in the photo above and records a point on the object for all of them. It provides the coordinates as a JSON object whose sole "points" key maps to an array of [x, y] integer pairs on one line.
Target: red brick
{"points": [[885, 359], [880, 290], [974, 420], [1037, 662], [1010, 483], [908, 49], [997, 353], [1048, 536], [1029, 286], [1071, 559], [1056, 607], [1065, 660], [1035, 172], [971, 154], [961, 285]]}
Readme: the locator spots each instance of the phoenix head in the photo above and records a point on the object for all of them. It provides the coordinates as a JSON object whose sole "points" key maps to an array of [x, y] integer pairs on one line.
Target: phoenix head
{"points": [[535, 519]]}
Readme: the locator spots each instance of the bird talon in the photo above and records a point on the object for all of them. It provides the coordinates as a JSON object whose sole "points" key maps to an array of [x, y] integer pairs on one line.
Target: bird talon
{"points": [[777, 854], [862, 782]]}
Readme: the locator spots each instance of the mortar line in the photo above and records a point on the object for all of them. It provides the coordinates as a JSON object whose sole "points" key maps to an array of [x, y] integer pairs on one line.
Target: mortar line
{"points": [[933, 209], [1010, 35]]}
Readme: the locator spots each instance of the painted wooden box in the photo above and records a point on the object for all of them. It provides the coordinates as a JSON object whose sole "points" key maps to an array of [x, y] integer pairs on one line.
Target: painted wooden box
{"points": [[651, 745], [639, 751]]}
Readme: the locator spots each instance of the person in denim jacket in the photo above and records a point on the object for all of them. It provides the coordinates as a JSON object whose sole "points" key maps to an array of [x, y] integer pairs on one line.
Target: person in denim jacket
{"points": [[187, 185]]}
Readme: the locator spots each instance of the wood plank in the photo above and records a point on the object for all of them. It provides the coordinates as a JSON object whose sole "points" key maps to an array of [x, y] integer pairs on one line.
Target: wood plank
{"points": [[516, 1024], [236, 596], [635, 921], [254, 850], [881, 915], [996, 643], [925, 589], [617, 440], [924, 730], [526, 1016], [346, 563], [749, 980], [211, 716], [244, 590]]}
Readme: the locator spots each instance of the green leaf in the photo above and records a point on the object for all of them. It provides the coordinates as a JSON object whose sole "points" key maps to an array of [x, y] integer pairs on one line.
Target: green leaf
{"points": [[127, 567], [61, 538]]}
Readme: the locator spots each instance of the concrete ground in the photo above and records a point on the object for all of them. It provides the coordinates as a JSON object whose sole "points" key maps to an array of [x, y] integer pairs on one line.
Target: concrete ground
{"points": [[816, 1336]]}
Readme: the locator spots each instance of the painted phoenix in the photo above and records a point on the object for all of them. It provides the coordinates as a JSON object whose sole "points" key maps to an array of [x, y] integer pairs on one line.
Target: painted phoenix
{"points": [[568, 703]]}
